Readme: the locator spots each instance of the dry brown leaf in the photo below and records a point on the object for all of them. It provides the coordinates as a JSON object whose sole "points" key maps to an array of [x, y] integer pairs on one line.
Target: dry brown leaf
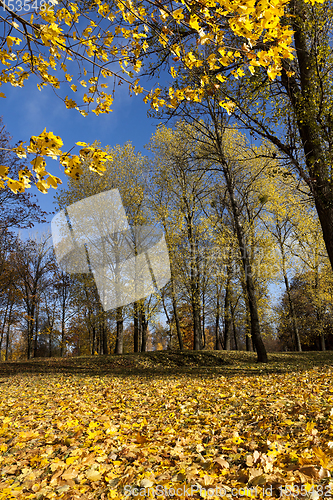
{"points": [[222, 462], [141, 439], [323, 473], [310, 471], [55, 476], [69, 474], [146, 483]]}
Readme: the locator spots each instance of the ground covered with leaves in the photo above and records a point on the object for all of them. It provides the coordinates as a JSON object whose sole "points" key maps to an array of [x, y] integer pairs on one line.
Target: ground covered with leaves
{"points": [[216, 426]]}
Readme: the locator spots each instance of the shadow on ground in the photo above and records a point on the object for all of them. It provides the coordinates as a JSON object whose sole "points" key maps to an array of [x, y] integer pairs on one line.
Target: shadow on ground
{"points": [[169, 363]]}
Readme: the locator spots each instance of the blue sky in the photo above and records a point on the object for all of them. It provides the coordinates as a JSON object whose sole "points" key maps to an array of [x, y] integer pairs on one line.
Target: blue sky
{"points": [[27, 111]]}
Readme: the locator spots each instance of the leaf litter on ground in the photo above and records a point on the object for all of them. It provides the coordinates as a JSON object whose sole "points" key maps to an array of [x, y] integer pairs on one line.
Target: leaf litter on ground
{"points": [[80, 436]]}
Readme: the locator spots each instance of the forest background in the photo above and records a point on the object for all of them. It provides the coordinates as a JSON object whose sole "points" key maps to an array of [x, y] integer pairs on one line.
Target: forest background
{"points": [[234, 225]]}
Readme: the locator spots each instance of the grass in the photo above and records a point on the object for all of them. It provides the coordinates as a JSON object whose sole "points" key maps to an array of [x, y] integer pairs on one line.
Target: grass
{"points": [[172, 363]]}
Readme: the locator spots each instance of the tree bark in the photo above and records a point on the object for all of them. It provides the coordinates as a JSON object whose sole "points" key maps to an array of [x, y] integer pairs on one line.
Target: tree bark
{"points": [[227, 320], [252, 301], [50, 343], [93, 341], [297, 340], [119, 348], [248, 339], [144, 329], [227, 315], [4, 322], [302, 99], [250, 288], [136, 326], [324, 206], [195, 288], [203, 321], [175, 314], [218, 343], [104, 335], [36, 325], [63, 313], [234, 327], [7, 342]]}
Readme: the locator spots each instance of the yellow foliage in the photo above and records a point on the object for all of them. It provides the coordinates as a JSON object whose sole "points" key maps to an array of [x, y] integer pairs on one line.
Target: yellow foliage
{"points": [[211, 431], [59, 33]]}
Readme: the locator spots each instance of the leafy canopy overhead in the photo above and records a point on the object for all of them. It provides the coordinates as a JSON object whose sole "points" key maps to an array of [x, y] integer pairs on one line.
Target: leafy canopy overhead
{"points": [[100, 44]]}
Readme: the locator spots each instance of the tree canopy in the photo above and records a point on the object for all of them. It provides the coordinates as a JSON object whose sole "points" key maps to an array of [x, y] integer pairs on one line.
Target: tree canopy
{"points": [[95, 45]]}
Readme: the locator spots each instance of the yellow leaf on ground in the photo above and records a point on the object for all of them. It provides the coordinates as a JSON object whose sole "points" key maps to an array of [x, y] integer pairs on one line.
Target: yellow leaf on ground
{"points": [[93, 475]]}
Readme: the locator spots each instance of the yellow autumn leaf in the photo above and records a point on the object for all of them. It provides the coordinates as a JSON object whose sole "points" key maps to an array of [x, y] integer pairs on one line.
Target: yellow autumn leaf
{"points": [[173, 72], [178, 14], [93, 475], [272, 72], [53, 181], [70, 103], [38, 165], [228, 106], [42, 186], [12, 39], [3, 171], [194, 23], [69, 474]]}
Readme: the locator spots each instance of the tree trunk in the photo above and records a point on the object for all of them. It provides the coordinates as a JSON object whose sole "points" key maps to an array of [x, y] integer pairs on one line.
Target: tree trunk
{"points": [[4, 322], [93, 343], [7, 342], [297, 340], [255, 328], [324, 202], [234, 327], [322, 344], [194, 285], [218, 343], [36, 333], [136, 326], [30, 331], [173, 291], [144, 329], [254, 345], [197, 345], [104, 335], [63, 316], [250, 288], [227, 321], [197, 333], [50, 342], [8, 329], [119, 349], [227, 315], [175, 314], [140, 327], [303, 96], [203, 322], [248, 341]]}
